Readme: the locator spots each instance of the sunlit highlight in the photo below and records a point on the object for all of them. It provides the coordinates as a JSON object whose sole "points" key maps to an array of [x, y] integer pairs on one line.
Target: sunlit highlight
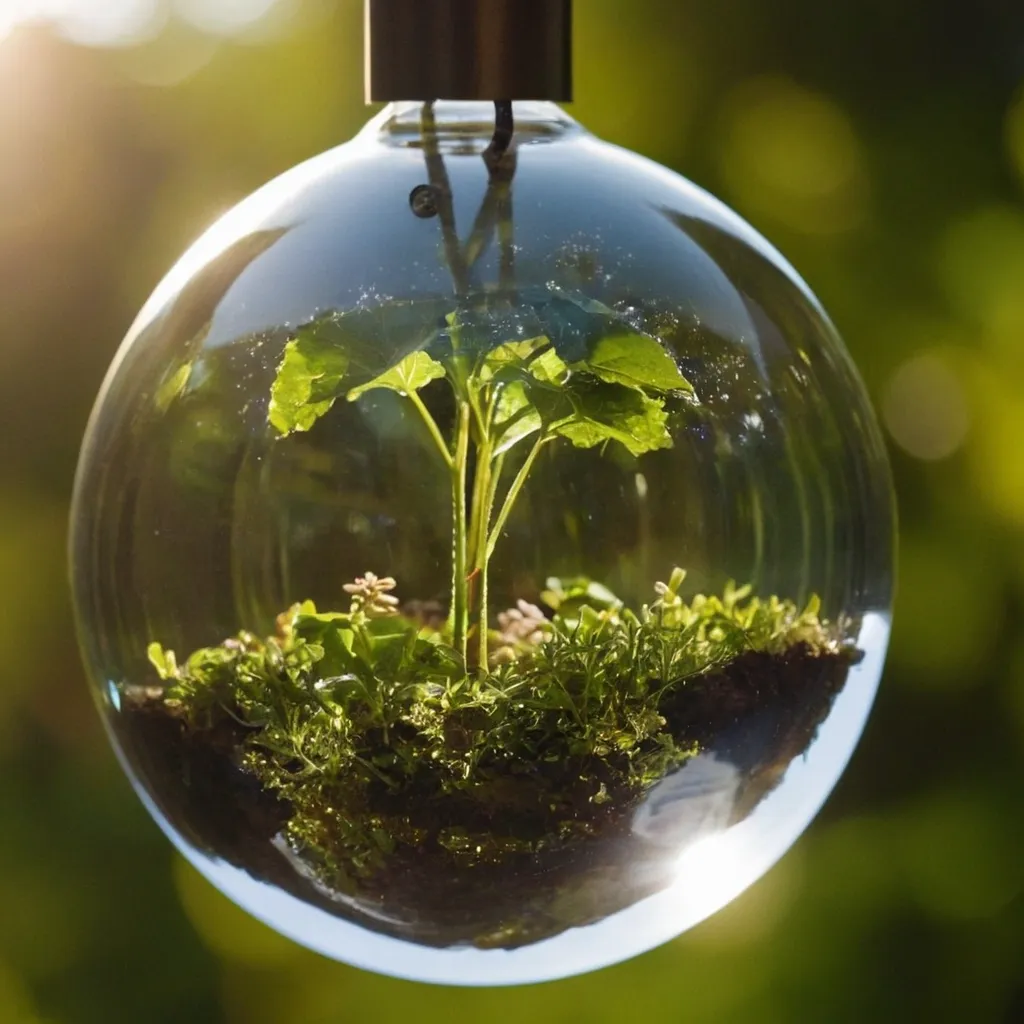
{"points": [[8, 19], [995, 449], [793, 154], [224, 17], [925, 408], [14, 13], [713, 871], [981, 265], [88, 22], [173, 57], [106, 22], [129, 22]]}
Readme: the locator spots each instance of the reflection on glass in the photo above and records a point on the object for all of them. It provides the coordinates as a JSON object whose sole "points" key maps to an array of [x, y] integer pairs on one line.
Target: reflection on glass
{"points": [[473, 547]]}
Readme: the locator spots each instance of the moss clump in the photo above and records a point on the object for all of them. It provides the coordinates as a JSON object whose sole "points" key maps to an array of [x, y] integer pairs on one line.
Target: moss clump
{"points": [[493, 804]]}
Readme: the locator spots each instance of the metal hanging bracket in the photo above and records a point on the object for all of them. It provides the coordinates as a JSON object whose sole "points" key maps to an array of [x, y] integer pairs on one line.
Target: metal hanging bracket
{"points": [[468, 50]]}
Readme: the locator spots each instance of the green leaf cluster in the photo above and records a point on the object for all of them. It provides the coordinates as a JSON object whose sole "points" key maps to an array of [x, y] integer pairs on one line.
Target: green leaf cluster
{"points": [[306, 384], [590, 387], [607, 395], [355, 720]]}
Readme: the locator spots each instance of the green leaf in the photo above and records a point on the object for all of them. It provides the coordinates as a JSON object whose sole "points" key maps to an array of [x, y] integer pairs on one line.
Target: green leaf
{"points": [[549, 368], [379, 336], [514, 417], [566, 596], [332, 632], [637, 361], [308, 382], [309, 624], [173, 387], [205, 662], [512, 354], [608, 412], [163, 661], [433, 656], [390, 644], [415, 371], [360, 343]]}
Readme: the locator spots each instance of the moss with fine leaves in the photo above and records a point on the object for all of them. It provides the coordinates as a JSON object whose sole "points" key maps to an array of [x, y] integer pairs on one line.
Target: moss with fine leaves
{"points": [[383, 744]]}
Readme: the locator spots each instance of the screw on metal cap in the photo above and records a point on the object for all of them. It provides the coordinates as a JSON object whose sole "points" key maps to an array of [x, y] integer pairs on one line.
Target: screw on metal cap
{"points": [[468, 50]]}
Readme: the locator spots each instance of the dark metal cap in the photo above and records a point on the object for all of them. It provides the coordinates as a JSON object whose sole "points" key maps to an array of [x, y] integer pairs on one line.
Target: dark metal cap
{"points": [[468, 50]]}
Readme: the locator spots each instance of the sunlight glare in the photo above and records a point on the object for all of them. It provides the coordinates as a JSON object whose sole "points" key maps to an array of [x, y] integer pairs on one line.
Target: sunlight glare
{"points": [[713, 871], [88, 22], [224, 17], [14, 13], [794, 155], [107, 22], [925, 407]]}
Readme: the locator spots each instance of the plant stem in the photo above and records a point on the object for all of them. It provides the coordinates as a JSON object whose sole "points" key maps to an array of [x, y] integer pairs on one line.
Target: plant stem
{"points": [[489, 475], [435, 433], [501, 187], [479, 483], [478, 543], [513, 493], [460, 609]]}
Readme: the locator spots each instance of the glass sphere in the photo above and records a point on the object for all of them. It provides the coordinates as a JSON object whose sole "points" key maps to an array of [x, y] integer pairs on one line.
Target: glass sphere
{"points": [[482, 557]]}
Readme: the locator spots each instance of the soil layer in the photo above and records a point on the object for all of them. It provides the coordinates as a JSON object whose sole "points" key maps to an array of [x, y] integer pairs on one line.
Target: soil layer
{"points": [[539, 873]]}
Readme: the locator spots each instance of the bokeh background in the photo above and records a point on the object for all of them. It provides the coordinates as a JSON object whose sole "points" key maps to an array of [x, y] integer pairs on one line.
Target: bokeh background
{"points": [[880, 143]]}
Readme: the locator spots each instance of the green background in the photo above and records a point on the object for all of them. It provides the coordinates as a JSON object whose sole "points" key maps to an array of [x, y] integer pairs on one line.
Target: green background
{"points": [[881, 146]]}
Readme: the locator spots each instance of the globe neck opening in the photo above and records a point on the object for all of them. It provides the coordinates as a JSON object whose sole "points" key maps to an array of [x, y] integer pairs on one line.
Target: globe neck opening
{"points": [[467, 127]]}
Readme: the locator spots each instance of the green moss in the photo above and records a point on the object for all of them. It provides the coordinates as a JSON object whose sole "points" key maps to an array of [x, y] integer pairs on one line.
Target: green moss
{"points": [[378, 736]]}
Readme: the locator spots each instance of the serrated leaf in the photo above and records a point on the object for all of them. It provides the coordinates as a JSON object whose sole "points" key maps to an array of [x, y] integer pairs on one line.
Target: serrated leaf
{"points": [[609, 412], [415, 371], [635, 360], [307, 383], [379, 336], [359, 343]]}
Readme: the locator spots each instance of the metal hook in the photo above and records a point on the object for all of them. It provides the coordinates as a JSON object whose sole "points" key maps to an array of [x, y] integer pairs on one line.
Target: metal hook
{"points": [[435, 199], [504, 129]]}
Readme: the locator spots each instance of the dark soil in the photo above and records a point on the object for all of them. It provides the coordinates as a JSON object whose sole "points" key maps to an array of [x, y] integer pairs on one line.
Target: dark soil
{"points": [[757, 714]]}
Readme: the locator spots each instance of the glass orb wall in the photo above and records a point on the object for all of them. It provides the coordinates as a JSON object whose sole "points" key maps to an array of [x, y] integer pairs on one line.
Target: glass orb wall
{"points": [[482, 559]]}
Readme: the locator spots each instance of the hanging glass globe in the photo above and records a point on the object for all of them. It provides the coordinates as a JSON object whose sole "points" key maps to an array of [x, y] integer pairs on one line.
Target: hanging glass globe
{"points": [[482, 550]]}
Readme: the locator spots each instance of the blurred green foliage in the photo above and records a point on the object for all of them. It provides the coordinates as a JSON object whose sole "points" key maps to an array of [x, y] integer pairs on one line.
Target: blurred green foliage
{"points": [[881, 146]]}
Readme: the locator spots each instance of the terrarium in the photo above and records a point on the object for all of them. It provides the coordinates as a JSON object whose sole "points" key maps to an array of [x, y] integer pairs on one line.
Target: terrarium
{"points": [[482, 543]]}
